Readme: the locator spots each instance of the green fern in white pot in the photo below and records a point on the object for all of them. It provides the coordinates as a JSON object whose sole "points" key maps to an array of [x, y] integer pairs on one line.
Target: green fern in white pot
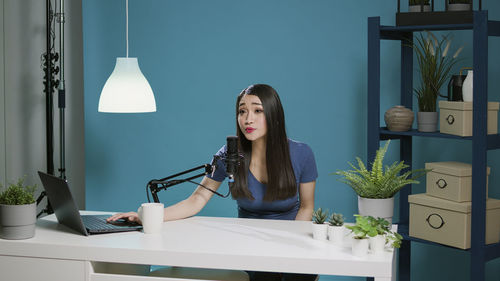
{"points": [[380, 183]]}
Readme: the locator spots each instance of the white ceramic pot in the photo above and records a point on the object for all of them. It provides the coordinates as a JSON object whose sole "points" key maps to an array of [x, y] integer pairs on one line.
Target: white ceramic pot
{"points": [[336, 234], [467, 86], [377, 208], [377, 244], [360, 247], [320, 231]]}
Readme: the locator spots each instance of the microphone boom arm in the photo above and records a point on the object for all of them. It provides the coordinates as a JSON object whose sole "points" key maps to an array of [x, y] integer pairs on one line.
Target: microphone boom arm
{"points": [[158, 185]]}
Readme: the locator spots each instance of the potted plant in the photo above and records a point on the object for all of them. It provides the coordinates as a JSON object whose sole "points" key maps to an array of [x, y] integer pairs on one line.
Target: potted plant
{"points": [[376, 187], [362, 229], [378, 241], [459, 5], [434, 69], [17, 211], [384, 235], [319, 227], [336, 228], [395, 239], [416, 6]]}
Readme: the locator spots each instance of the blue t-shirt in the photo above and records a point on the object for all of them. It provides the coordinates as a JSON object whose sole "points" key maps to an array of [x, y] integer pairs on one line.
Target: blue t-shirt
{"points": [[304, 167]]}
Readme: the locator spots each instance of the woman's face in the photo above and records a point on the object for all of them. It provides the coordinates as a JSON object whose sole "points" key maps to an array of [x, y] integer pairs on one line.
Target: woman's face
{"points": [[251, 118]]}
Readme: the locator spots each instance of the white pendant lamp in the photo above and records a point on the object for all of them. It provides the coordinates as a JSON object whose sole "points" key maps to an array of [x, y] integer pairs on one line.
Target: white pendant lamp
{"points": [[127, 90]]}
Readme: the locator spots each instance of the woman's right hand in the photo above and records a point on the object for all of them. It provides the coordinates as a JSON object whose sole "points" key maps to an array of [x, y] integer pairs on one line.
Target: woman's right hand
{"points": [[130, 216]]}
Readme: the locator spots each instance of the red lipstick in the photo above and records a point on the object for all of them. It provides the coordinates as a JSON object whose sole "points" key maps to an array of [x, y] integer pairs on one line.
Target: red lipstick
{"points": [[249, 130]]}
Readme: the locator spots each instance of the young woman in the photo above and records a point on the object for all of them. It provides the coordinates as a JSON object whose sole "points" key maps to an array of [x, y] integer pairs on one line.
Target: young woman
{"points": [[276, 180]]}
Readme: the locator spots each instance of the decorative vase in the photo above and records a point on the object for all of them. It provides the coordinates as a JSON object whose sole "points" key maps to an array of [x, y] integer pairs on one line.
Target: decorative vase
{"points": [[377, 208], [417, 8], [427, 121], [360, 247], [320, 231], [467, 86], [399, 118], [17, 221], [458, 7], [377, 244], [336, 234]]}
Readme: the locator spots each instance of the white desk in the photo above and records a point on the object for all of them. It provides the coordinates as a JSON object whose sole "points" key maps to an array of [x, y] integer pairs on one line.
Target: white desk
{"points": [[58, 253]]}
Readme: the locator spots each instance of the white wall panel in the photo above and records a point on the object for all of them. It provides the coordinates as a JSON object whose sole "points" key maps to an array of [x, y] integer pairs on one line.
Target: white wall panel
{"points": [[23, 100]]}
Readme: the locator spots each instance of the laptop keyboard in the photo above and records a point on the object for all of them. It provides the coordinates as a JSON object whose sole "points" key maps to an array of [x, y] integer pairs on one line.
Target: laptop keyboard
{"points": [[96, 223]]}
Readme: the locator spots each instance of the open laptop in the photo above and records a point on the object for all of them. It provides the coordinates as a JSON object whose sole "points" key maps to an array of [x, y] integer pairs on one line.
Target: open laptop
{"points": [[67, 213]]}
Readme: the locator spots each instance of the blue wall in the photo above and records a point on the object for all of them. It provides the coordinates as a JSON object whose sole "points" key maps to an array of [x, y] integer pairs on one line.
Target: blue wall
{"points": [[198, 55]]}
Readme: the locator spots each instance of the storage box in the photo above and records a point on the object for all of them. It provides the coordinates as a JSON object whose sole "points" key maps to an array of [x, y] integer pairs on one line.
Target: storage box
{"points": [[455, 118], [451, 180], [449, 222]]}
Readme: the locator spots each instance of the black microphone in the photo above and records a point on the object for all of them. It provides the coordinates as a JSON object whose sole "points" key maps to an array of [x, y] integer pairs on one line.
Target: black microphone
{"points": [[232, 157]]}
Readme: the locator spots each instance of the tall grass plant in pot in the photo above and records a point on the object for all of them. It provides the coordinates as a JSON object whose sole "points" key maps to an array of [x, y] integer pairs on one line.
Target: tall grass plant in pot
{"points": [[17, 211], [376, 187], [434, 64]]}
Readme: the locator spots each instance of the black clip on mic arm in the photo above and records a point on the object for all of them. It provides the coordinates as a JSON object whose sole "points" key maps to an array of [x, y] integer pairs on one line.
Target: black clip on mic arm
{"points": [[158, 185]]}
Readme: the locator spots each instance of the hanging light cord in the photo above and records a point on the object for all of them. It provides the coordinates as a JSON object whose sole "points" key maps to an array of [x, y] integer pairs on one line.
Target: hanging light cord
{"points": [[126, 24]]}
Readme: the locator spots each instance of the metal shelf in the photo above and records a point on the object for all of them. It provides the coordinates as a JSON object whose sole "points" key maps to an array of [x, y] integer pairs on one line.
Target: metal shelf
{"points": [[492, 250], [481, 28], [386, 134], [493, 141], [438, 18]]}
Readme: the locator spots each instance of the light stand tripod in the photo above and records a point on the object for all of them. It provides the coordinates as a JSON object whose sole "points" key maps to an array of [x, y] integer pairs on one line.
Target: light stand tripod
{"points": [[49, 58]]}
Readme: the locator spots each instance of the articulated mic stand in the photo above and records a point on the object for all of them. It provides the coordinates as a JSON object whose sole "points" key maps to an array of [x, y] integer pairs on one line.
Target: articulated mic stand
{"points": [[156, 186]]}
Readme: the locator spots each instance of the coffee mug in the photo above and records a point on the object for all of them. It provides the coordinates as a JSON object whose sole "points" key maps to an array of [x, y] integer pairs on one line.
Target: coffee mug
{"points": [[151, 215]]}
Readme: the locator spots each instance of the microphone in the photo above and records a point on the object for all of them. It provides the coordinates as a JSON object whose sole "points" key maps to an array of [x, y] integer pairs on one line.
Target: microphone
{"points": [[232, 157]]}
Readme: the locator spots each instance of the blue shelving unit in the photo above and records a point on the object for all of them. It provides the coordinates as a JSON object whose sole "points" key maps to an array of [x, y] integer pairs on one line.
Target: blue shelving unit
{"points": [[481, 142]]}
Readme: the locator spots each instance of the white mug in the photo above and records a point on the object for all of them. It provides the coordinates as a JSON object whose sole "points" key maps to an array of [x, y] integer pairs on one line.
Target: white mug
{"points": [[151, 215]]}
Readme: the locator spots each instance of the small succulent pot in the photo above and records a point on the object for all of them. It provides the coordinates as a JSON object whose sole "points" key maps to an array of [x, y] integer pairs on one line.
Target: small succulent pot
{"points": [[377, 244], [336, 234], [360, 247], [399, 118], [320, 231]]}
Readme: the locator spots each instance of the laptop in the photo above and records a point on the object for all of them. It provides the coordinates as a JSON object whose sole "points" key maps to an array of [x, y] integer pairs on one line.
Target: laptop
{"points": [[67, 213]]}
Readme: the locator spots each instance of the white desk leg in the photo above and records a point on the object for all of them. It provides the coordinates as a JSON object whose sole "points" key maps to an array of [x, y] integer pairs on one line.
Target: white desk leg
{"points": [[394, 269]]}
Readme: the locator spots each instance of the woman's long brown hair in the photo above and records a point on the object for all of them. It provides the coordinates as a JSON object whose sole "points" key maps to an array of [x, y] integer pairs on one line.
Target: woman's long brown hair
{"points": [[281, 178]]}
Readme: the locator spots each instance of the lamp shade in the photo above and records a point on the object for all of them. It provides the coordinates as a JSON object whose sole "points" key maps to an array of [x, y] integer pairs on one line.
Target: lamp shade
{"points": [[127, 90]]}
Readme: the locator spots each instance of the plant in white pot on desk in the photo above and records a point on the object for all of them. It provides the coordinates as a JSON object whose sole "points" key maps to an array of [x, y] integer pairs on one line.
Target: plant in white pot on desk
{"points": [[434, 68], [383, 236], [17, 211], [362, 229], [336, 228], [376, 187], [320, 228]]}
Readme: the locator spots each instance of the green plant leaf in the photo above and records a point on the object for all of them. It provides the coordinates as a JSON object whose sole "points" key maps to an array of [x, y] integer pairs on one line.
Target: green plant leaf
{"points": [[380, 182], [18, 194]]}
